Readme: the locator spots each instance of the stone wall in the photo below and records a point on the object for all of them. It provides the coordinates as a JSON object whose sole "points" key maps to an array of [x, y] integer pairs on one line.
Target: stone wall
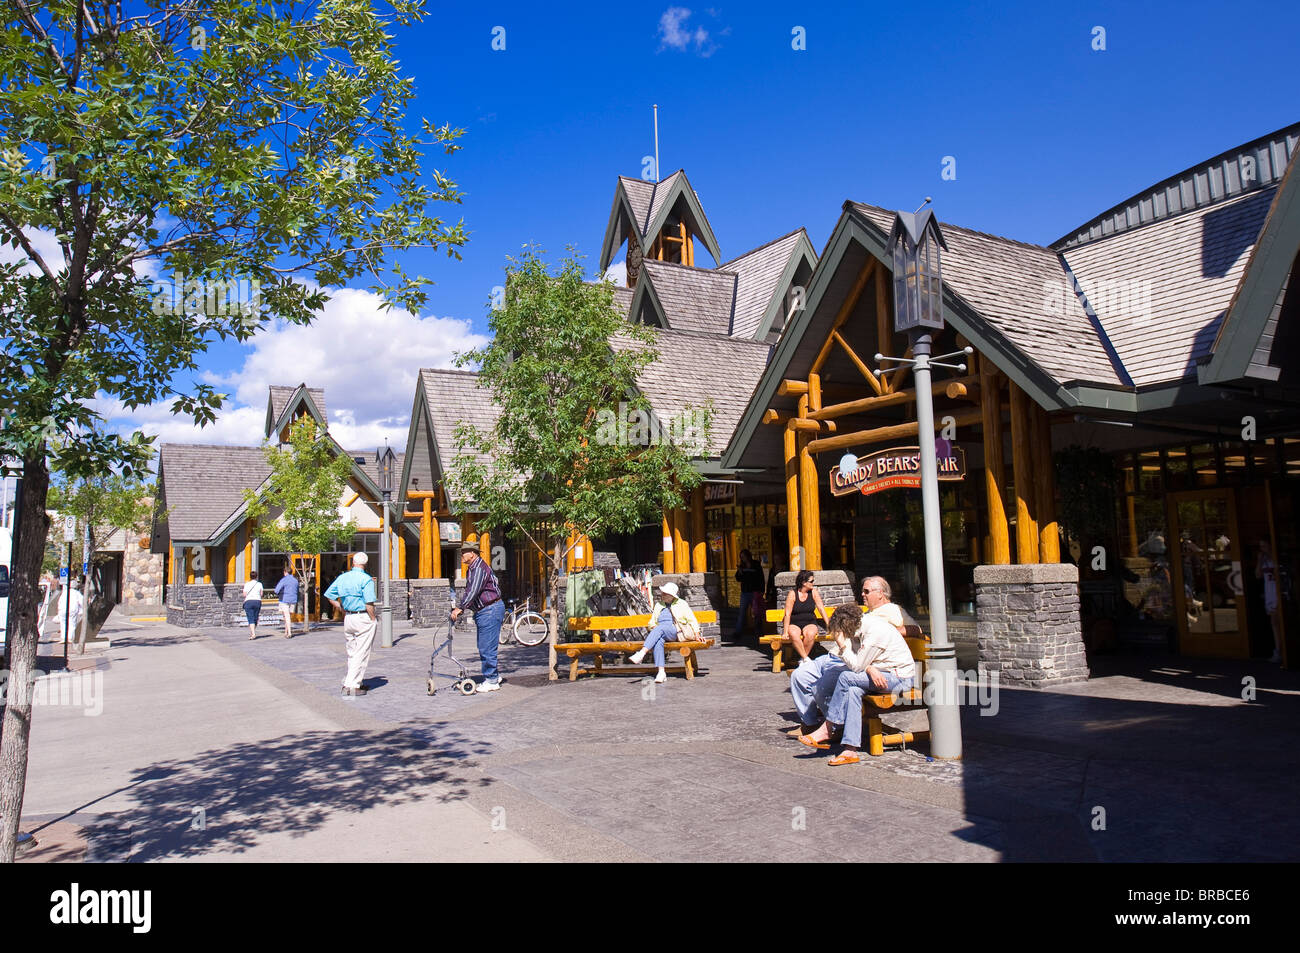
{"points": [[142, 574], [208, 606], [430, 602], [1027, 623], [702, 592]]}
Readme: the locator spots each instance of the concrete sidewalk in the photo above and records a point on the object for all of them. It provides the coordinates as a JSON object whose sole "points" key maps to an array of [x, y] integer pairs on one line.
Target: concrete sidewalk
{"points": [[1150, 760]]}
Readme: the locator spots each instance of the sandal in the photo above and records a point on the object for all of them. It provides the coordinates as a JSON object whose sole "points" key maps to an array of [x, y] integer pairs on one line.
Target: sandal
{"points": [[819, 745], [843, 759]]}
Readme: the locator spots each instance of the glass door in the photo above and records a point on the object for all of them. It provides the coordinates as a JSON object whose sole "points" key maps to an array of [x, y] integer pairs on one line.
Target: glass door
{"points": [[1209, 595]]}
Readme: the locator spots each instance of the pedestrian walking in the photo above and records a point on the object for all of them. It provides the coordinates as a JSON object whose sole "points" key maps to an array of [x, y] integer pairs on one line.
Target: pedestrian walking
{"points": [[482, 596], [353, 594], [71, 605], [252, 603], [750, 576], [287, 590]]}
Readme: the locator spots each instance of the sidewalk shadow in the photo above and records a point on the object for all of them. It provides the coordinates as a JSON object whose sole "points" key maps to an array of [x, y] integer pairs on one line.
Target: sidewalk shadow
{"points": [[229, 799]]}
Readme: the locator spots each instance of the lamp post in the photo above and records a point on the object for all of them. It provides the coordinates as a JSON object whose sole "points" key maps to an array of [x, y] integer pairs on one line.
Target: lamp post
{"points": [[914, 244], [386, 459]]}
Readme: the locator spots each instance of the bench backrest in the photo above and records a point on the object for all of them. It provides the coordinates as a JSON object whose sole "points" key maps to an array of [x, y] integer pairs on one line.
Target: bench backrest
{"points": [[917, 643], [607, 623]]}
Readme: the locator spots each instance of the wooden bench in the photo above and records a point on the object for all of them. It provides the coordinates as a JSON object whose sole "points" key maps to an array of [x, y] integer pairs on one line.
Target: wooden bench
{"points": [[607, 623], [780, 644], [909, 700]]}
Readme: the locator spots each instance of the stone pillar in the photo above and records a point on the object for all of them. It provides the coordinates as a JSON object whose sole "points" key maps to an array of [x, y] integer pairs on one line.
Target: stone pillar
{"points": [[1027, 623], [702, 592], [431, 601]]}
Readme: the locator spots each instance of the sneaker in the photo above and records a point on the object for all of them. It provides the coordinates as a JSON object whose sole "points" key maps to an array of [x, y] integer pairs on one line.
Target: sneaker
{"points": [[661, 677], [636, 658], [353, 692], [488, 685]]}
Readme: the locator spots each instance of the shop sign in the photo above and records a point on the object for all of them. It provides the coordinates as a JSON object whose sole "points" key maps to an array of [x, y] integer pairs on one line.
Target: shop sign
{"points": [[896, 468], [719, 494]]}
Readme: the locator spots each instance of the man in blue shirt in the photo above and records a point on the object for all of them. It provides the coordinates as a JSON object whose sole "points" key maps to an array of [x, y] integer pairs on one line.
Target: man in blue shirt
{"points": [[353, 594], [287, 590]]}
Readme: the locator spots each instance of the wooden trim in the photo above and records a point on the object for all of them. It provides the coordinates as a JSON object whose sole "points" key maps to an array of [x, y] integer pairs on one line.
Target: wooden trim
{"points": [[790, 446], [862, 368], [868, 404], [879, 434], [1049, 536], [1021, 463], [999, 553]]}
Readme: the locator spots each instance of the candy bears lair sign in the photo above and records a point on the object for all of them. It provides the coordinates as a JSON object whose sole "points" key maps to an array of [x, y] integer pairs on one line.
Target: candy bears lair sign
{"points": [[896, 468]]}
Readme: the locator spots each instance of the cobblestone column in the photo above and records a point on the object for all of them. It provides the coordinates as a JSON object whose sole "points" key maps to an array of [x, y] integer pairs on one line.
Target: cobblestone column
{"points": [[1027, 623], [702, 593], [430, 602]]}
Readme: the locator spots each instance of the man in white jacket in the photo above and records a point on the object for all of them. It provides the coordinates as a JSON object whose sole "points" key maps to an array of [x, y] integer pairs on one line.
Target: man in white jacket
{"points": [[877, 661], [70, 615]]}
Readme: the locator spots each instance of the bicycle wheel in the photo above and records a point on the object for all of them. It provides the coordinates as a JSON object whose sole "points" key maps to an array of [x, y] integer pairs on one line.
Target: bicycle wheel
{"points": [[503, 636], [530, 629]]}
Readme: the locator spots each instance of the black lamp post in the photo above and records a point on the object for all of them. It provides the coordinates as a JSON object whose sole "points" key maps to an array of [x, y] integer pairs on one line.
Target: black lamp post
{"points": [[386, 459], [914, 244]]}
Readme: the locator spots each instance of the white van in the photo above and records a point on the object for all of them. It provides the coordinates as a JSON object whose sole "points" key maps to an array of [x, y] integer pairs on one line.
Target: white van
{"points": [[6, 550]]}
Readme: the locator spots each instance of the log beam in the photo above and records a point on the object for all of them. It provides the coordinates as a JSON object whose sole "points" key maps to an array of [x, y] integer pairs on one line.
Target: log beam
{"points": [[868, 404], [846, 307], [880, 434]]}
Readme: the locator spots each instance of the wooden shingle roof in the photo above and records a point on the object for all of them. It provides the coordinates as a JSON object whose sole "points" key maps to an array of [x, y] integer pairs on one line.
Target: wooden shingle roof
{"points": [[758, 272], [1018, 289], [204, 485], [1161, 290], [280, 397], [693, 299], [693, 369], [454, 397]]}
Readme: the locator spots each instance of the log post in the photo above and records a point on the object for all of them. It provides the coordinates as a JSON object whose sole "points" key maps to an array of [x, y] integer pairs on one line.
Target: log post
{"points": [[667, 543], [1022, 432], [699, 538], [790, 444], [994, 471], [681, 545], [811, 506], [1049, 536], [427, 544]]}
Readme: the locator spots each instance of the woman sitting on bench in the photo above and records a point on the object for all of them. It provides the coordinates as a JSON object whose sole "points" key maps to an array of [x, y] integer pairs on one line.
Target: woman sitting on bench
{"points": [[675, 621], [804, 613]]}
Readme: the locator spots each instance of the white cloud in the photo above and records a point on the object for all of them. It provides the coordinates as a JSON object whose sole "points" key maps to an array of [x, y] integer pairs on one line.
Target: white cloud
{"points": [[365, 358], [617, 273], [45, 245], [675, 33]]}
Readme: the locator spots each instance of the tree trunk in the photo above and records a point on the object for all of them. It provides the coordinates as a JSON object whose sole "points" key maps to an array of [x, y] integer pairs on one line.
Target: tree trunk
{"points": [[553, 612], [24, 595]]}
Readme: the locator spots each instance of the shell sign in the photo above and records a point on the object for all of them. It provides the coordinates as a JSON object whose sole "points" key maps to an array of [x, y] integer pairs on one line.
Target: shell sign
{"points": [[896, 468]]}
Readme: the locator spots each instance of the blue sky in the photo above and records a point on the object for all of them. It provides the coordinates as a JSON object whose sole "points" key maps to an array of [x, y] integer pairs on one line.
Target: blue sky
{"points": [[1045, 132]]}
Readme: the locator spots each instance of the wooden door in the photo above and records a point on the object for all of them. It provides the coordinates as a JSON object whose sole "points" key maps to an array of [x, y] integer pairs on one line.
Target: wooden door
{"points": [[1206, 556]]}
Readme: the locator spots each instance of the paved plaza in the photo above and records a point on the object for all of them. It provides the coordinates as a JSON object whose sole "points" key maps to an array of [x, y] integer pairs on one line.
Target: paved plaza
{"points": [[212, 747]]}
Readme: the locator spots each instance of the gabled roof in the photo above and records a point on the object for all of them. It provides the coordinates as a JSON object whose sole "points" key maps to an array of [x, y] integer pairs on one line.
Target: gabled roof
{"points": [[205, 485], [283, 403], [690, 299], [641, 208], [693, 369], [1160, 291], [760, 275], [443, 399], [1017, 288]]}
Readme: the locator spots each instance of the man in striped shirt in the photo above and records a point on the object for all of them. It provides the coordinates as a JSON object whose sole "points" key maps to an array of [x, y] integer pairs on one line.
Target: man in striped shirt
{"points": [[482, 596]]}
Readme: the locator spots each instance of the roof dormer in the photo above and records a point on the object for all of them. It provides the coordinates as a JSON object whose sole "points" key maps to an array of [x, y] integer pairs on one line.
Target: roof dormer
{"points": [[657, 220]]}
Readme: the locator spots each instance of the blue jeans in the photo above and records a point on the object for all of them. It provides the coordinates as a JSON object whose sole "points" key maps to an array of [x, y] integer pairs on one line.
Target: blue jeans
{"points": [[812, 683], [487, 622], [846, 702], [747, 600], [664, 630]]}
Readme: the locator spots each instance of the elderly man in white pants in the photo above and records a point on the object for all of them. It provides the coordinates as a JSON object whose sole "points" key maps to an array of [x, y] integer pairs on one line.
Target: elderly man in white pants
{"points": [[70, 618], [353, 594]]}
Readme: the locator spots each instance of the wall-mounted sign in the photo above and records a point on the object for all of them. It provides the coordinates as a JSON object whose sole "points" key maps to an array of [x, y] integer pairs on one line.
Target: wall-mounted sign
{"points": [[894, 469], [449, 531], [719, 494]]}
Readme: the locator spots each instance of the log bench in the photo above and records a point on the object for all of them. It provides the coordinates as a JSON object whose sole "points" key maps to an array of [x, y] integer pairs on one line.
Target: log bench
{"points": [[607, 623], [779, 643], [909, 700]]}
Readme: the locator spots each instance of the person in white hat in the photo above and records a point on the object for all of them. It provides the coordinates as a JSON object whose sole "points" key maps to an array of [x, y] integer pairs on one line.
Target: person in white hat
{"points": [[674, 618]]}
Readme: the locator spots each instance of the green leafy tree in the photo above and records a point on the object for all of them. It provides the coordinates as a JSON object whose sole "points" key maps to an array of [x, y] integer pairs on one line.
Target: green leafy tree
{"points": [[304, 489], [562, 365], [153, 157]]}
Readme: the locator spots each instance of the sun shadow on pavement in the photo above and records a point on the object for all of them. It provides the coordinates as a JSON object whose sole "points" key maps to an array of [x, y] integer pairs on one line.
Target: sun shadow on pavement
{"points": [[230, 799]]}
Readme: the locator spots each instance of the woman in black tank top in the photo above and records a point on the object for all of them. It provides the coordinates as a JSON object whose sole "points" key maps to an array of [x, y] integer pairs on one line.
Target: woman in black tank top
{"points": [[804, 613]]}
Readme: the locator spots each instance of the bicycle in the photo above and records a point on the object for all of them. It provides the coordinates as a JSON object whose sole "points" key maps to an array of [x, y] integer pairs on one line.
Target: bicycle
{"points": [[523, 625]]}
